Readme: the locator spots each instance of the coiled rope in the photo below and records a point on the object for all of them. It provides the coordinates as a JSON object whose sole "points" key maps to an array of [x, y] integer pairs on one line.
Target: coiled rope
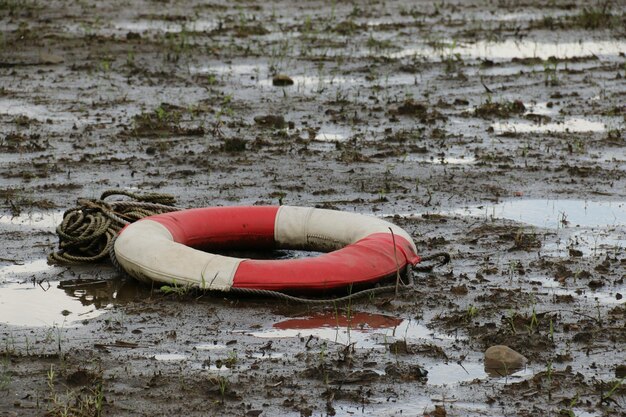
{"points": [[88, 231]]}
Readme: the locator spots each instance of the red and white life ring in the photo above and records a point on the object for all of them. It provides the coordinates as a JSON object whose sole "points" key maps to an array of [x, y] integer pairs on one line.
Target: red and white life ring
{"points": [[360, 249]]}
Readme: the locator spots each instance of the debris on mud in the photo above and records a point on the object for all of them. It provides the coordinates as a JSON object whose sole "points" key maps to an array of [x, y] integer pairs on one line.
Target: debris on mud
{"points": [[490, 109], [282, 80]]}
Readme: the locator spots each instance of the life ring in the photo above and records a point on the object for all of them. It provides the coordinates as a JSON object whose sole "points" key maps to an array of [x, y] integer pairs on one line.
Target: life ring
{"points": [[167, 248]]}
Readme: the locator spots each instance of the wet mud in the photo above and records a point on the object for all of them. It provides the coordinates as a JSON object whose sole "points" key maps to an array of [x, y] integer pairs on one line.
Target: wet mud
{"points": [[493, 131]]}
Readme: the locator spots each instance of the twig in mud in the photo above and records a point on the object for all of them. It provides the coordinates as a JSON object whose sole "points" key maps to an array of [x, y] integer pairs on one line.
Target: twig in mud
{"points": [[395, 255]]}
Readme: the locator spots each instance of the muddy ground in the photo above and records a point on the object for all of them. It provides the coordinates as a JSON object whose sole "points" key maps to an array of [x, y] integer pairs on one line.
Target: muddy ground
{"points": [[491, 130]]}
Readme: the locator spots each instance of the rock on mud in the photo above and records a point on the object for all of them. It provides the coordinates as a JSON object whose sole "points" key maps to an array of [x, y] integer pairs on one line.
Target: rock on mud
{"points": [[282, 80], [270, 120], [52, 59], [502, 360]]}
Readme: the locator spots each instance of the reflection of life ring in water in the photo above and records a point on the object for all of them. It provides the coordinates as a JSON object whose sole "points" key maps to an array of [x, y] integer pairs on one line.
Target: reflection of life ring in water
{"points": [[356, 321], [361, 248]]}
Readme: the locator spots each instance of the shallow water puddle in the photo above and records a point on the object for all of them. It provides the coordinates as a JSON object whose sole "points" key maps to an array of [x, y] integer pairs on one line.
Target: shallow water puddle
{"points": [[582, 292], [210, 346], [230, 70], [588, 226], [140, 26], [417, 405], [454, 373], [42, 220], [330, 137], [313, 83], [40, 265], [540, 108], [364, 330], [589, 242], [512, 48], [170, 357], [443, 160], [143, 26], [45, 304], [34, 111], [554, 214], [569, 125]]}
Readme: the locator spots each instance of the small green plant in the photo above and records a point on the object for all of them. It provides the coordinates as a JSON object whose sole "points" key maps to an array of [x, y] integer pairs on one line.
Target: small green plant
{"points": [[608, 396], [450, 58], [550, 74], [177, 45], [211, 79], [472, 312], [130, 60], [569, 411], [510, 319], [175, 288], [105, 65], [223, 386], [75, 403], [58, 330], [377, 44], [9, 344], [5, 373], [596, 18], [533, 321], [232, 359], [322, 362]]}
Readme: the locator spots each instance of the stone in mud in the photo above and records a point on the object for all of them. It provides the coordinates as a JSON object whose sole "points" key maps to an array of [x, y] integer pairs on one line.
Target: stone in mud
{"points": [[620, 371], [502, 360], [439, 411], [270, 120], [412, 108], [282, 80], [46, 58]]}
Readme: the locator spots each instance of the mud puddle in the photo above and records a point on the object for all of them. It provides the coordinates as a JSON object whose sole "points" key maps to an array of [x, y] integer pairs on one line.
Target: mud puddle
{"points": [[510, 49], [442, 160], [591, 227], [11, 273], [447, 374], [32, 295], [361, 330], [554, 214], [391, 406], [582, 293], [44, 305], [568, 125], [38, 220], [37, 112]]}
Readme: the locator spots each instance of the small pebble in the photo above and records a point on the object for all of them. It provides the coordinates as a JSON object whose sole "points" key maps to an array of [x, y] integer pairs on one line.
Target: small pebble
{"points": [[282, 80]]}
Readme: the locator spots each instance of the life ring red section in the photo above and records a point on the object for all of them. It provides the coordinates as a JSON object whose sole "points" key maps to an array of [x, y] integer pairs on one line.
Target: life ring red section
{"points": [[366, 261], [222, 227]]}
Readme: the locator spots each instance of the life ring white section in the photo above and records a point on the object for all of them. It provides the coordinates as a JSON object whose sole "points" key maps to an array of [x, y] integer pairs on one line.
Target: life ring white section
{"points": [[327, 230], [147, 251]]}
